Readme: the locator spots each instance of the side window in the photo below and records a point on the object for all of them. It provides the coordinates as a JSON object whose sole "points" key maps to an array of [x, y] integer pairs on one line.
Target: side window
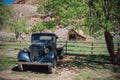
{"points": [[54, 39]]}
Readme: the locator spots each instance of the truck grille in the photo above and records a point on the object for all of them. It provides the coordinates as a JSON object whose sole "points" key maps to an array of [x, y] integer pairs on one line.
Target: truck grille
{"points": [[36, 52]]}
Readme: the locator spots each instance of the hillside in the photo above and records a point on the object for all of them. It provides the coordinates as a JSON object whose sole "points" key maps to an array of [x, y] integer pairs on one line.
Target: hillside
{"points": [[25, 10]]}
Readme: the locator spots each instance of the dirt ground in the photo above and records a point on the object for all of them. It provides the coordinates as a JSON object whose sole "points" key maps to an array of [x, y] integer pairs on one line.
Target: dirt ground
{"points": [[72, 67], [62, 73]]}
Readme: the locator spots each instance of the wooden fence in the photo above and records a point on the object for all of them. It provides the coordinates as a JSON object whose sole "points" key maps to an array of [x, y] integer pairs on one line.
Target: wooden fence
{"points": [[7, 39], [71, 47], [94, 47]]}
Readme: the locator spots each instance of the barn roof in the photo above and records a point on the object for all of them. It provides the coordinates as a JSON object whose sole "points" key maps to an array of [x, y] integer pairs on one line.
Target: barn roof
{"points": [[80, 35], [62, 33]]}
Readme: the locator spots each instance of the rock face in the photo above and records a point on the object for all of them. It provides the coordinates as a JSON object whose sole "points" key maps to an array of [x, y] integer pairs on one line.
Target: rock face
{"points": [[24, 10], [20, 1], [27, 12]]}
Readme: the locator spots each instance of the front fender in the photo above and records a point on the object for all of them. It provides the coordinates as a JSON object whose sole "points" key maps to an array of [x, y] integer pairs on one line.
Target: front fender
{"points": [[48, 58], [23, 56]]}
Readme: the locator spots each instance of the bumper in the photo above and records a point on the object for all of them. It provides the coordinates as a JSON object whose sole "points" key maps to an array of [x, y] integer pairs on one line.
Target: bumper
{"points": [[30, 63]]}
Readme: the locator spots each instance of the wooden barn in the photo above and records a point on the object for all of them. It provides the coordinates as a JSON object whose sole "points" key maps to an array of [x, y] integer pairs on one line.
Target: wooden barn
{"points": [[73, 35], [69, 34]]}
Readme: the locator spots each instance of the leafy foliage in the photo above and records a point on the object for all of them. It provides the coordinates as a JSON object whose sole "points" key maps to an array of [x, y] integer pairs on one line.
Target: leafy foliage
{"points": [[5, 14], [21, 26], [65, 12], [18, 25], [38, 27], [103, 14], [98, 15], [41, 26]]}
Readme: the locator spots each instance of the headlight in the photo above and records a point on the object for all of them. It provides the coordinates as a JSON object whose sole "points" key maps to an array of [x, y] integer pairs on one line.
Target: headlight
{"points": [[46, 50], [26, 50]]}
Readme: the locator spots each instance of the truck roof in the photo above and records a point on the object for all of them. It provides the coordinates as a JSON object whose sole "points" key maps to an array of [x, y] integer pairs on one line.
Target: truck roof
{"points": [[48, 34]]}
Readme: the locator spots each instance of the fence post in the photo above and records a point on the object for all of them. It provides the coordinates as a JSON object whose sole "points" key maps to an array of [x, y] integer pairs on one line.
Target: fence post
{"points": [[118, 45], [66, 46], [92, 47], [20, 42]]}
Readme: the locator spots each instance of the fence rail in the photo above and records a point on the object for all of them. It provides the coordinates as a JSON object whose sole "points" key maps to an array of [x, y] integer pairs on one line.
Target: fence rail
{"points": [[72, 47], [88, 47]]}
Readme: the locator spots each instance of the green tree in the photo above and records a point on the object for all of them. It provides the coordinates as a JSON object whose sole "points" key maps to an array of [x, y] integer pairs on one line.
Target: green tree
{"points": [[65, 12], [42, 26], [38, 27], [100, 15], [18, 27], [103, 17], [5, 14]]}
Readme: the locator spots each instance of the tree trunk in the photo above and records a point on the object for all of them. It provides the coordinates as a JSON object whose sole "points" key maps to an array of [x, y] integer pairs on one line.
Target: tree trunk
{"points": [[23, 38], [117, 60], [110, 45], [17, 34]]}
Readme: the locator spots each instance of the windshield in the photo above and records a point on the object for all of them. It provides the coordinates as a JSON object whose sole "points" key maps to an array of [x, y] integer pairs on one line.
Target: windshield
{"points": [[41, 38], [45, 38]]}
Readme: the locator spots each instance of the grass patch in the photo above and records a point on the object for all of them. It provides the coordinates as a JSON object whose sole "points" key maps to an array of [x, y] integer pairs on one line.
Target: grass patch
{"points": [[98, 74], [94, 66], [3, 79], [89, 61], [7, 62], [8, 45]]}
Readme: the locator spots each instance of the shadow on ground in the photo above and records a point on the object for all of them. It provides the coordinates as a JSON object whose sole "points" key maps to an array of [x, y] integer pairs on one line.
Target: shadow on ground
{"points": [[90, 61], [71, 61]]}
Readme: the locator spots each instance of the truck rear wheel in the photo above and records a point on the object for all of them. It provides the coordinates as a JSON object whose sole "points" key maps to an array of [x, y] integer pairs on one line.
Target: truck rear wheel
{"points": [[61, 55]]}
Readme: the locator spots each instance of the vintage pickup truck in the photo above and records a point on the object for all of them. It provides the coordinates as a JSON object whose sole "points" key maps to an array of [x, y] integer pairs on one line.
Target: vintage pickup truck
{"points": [[43, 51]]}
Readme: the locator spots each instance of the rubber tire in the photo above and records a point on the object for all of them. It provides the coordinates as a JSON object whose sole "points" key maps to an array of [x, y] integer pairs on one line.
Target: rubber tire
{"points": [[52, 68], [61, 55]]}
